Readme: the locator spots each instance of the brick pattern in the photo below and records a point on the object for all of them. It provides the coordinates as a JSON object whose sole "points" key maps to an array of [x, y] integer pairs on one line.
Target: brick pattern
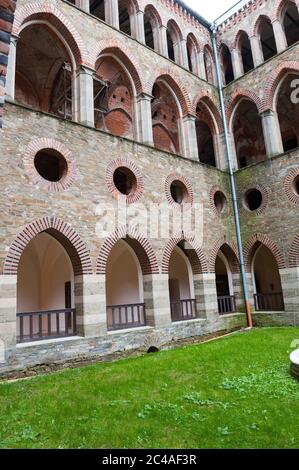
{"points": [[7, 9], [138, 190], [59, 229], [206, 97], [50, 186], [237, 95], [294, 253], [274, 79], [270, 244], [138, 243], [230, 251], [213, 191], [265, 199], [288, 186], [178, 177]]}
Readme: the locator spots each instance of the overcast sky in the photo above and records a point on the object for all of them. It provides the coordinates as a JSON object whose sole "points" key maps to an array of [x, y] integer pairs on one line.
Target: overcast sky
{"points": [[210, 9]]}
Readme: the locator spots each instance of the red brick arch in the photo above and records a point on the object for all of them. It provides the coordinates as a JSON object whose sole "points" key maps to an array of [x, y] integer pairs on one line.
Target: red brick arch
{"points": [[256, 24], [294, 253], [213, 107], [230, 251], [274, 79], [137, 242], [266, 241], [278, 10], [237, 38], [176, 85], [196, 256], [117, 48], [48, 12], [237, 96], [62, 232]]}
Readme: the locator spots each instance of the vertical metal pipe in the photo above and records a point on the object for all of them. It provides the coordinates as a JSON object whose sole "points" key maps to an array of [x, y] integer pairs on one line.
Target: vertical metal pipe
{"points": [[232, 180]]}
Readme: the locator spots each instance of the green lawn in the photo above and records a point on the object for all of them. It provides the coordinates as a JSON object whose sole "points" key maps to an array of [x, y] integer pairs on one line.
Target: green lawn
{"points": [[232, 392]]}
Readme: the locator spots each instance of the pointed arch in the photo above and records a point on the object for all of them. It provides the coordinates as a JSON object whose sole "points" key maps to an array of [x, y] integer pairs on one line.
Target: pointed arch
{"points": [[258, 21], [137, 242], [293, 256], [205, 97], [273, 81], [230, 250], [196, 255], [62, 232], [259, 238]]}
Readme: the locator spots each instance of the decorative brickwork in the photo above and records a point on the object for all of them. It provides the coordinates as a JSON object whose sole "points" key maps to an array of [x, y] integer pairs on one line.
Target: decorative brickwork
{"points": [[289, 186], [178, 177], [230, 251], [213, 191], [274, 79], [239, 94], [196, 255], [294, 253], [138, 188], [137, 242], [265, 199], [36, 146], [259, 238], [62, 232], [206, 97]]}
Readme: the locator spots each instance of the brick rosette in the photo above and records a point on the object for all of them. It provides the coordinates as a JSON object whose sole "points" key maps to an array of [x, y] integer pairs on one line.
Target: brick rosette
{"points": [[139, 187]]}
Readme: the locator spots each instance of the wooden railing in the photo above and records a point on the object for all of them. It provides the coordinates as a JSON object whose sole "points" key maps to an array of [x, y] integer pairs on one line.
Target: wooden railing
{"points": [[120, 317], [272, 302], [183, 310], [34, 326], [226, 304]]}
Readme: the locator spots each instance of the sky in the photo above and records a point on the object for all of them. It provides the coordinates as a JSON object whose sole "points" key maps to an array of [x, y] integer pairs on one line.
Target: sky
{"points": [[210, 9]]}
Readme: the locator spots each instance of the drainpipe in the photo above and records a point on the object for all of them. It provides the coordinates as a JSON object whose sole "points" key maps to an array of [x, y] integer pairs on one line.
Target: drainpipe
{"points": [[232, 180]]}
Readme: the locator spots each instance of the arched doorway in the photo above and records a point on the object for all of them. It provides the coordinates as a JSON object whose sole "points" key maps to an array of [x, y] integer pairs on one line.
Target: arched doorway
{"points": [[45, 291], [124, 288], [268, 294], [287, 111], [224, 285], [181, 287]]}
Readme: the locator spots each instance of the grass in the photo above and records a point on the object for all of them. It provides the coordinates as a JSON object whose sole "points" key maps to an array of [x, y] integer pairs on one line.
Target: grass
{"points": [[234, 392]]}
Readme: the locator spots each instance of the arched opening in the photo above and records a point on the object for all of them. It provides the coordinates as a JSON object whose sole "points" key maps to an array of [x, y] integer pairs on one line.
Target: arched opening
{"points": [[152, 23], [45, 291], [148, 33], [126, 12], [248, 134], [124, 288], [181, 287], [209, 65], [246, 52], [165, 118], [287, 110], [291, 23], [224, 285], [97, 8], [174, 37], [113, 98], [227, 65], [267, 39], [204, 134], [44, 71], [268, 294], [192, 52]]}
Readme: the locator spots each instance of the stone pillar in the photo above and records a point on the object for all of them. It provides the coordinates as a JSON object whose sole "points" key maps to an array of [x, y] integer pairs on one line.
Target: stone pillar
{"points": [[189, 137], [157, 301], [8, 318], [145, 119], [112, 13], [163, 41], [83, 4], [139, 22], [290, 288], [220, 151], [272, 134], [182, 45], [280, 37], [85, 96], [206, 295], [238, 292], [237, 64], [11, 68], [90, 303], [201, 66], [257, 53]]}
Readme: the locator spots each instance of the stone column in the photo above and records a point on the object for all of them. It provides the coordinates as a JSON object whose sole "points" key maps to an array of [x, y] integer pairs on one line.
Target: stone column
{"points": [[238, 291], [220, 151], [8, 318], [139, 22], [11, 68], [290, 288], [182, 46], [85, 96], [280, 37], [83, 4], [163, 49], [112, 13], [257, 53], [206, 295], [237, 64], [189, 137], [201, 66], [157, 301], [272, 134], [145, 119], [90, 303]]}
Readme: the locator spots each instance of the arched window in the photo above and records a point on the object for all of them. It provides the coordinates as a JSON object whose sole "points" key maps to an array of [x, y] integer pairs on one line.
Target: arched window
{"points": [[192, 53], [204, 134], [267, 38], [291, 22], [97, 8], [126, 15], [44, 71], [165, 118], [246, 52], [209, 65], [227, 66], [248, 134], [152, 23], [174, 37], [287, 111]]}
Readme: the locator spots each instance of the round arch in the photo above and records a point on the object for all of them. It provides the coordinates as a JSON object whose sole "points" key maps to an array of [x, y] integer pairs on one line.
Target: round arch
{"points": [[175, 84], [274, 80]]}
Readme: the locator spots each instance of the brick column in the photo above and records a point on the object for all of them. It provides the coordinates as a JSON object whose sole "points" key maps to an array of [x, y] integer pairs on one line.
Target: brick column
{"points": [[257, 53], [85, 96], [157, 301], [163, 41], [83, 4], [139, 22], [237, 64], [90, 303], [145, 119], [11, 68], [112, 13], [189, 137], [280, 37], [8, 317], [201, 66], [271, 131]]}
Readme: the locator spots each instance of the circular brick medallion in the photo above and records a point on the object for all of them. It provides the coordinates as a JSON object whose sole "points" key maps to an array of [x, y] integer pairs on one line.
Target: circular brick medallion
{"points": [[124, 180], [291, 186], [178, 190], [255, 199], [218, 201]]}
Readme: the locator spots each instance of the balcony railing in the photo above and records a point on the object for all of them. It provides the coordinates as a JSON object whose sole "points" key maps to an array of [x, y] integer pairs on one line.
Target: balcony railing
{"points": [[183, 310], [272, 302], [226, 304], [120, 317], [35, 326]]}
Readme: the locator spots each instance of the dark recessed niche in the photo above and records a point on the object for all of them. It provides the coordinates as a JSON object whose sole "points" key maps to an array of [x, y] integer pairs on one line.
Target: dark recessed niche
{"points": [[220, 202], [125, 181], [179, 192], [253, 199], [50, 164], [296, 185]]}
